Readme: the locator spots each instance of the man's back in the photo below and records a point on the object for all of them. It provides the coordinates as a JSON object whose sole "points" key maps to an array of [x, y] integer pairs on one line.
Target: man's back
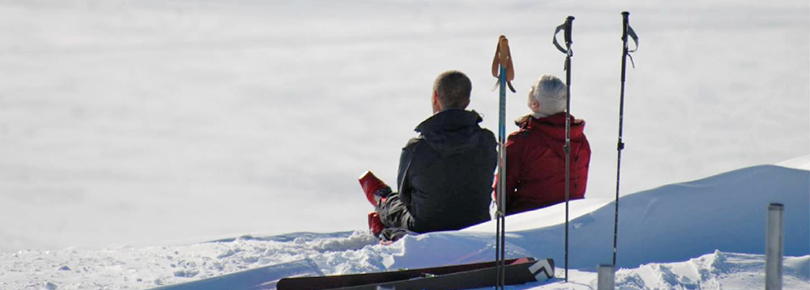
{"points": [[446, 174]]}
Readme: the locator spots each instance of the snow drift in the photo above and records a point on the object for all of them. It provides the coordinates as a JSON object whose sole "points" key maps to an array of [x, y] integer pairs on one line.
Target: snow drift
{"points": [[704, 234], [677, 222]]}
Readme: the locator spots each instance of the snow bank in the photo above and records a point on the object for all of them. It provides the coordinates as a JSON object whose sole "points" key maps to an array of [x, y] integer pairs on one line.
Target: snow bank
{"points": [[677, 222], [719, 270], [720, 220], [149, 267], [802, 163], [715, 271]]}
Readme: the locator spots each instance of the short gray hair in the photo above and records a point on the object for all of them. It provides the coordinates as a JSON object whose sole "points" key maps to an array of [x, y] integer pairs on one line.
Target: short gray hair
{"points": [[550, 92]]}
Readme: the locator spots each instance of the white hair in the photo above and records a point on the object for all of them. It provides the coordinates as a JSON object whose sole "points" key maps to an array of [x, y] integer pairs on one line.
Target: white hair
{"points": [[550, 92]]}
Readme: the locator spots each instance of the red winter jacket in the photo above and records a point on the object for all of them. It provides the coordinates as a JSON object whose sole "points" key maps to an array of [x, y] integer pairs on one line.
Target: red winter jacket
{"points": [[535, 163]]}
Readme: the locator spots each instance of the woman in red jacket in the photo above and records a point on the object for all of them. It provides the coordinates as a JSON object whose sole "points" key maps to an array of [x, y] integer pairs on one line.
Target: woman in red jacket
{"points": [[535, 157]]}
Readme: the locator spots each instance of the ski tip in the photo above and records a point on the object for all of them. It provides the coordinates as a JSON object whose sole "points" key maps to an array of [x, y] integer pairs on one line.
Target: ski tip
{"points": [[365, 174]]}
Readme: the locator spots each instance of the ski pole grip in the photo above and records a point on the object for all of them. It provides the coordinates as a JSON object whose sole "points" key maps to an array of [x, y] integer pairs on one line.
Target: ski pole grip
{"points": [[625, 24], [569, 23], [504, 50]]}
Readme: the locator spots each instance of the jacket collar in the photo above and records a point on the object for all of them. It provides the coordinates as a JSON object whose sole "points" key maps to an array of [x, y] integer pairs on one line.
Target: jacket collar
{"points": [[448, 120], [552, 126], [553, 120]]}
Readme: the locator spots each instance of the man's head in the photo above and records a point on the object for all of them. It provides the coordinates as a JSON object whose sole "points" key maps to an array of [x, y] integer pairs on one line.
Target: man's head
{"points": [[451, 90], [547, 96]]}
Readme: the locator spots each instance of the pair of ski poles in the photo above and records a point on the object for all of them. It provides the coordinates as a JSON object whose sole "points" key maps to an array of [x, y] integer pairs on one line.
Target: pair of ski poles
{"points": [[502, 69]]}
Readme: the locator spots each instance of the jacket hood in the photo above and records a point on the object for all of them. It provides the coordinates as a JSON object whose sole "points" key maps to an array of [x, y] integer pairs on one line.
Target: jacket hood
{"points": [[554, 128], [451, 131]]}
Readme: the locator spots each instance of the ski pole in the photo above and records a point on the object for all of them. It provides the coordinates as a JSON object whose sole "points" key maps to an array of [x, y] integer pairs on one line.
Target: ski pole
{"points": [[503, 70], [567, 28], [626, 31]]}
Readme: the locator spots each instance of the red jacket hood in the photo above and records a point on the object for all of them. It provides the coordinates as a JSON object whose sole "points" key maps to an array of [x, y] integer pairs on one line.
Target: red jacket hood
{"points": [[554, 128]]}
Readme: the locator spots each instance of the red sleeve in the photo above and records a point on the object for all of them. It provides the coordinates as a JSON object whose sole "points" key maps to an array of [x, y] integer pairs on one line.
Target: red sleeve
{"points": [[514, 159], [514, 151]]}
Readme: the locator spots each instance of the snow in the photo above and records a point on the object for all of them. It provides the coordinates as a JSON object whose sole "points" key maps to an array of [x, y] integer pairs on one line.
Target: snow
{"points": [[159, 142], [718, 270], [662, 224], [704, 234], [802, 162], [158, 121]]}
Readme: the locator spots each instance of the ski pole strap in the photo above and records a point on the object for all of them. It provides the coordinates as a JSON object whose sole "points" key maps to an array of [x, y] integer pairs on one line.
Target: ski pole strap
{"points": [[557, 44], [632, 34], [503, 58], [566, 27]]}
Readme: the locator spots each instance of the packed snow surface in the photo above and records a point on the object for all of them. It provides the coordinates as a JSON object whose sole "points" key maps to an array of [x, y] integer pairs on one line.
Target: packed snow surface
{"points": [[704, 234]]}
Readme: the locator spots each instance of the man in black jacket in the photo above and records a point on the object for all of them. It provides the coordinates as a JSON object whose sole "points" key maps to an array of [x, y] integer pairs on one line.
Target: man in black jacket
{"points": [[445, 174]]}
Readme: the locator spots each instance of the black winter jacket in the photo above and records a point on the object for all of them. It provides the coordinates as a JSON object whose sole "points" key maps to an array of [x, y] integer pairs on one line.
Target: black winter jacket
{"points": [[445, 174]]}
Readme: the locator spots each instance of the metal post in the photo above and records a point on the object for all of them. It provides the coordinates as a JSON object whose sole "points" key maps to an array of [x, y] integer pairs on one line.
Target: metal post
{"points": [[606, 277], [774, 242]]}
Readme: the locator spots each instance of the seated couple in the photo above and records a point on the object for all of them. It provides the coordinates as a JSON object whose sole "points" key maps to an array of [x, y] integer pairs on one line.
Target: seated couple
{"points": [[445, 175]]}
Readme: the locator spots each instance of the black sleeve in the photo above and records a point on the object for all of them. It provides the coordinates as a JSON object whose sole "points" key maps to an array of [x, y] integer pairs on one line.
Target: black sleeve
{"points": [[405, 159]]}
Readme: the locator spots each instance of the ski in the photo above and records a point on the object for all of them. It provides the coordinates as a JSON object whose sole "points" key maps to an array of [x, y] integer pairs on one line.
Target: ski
{"points": [[465, 276]]}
